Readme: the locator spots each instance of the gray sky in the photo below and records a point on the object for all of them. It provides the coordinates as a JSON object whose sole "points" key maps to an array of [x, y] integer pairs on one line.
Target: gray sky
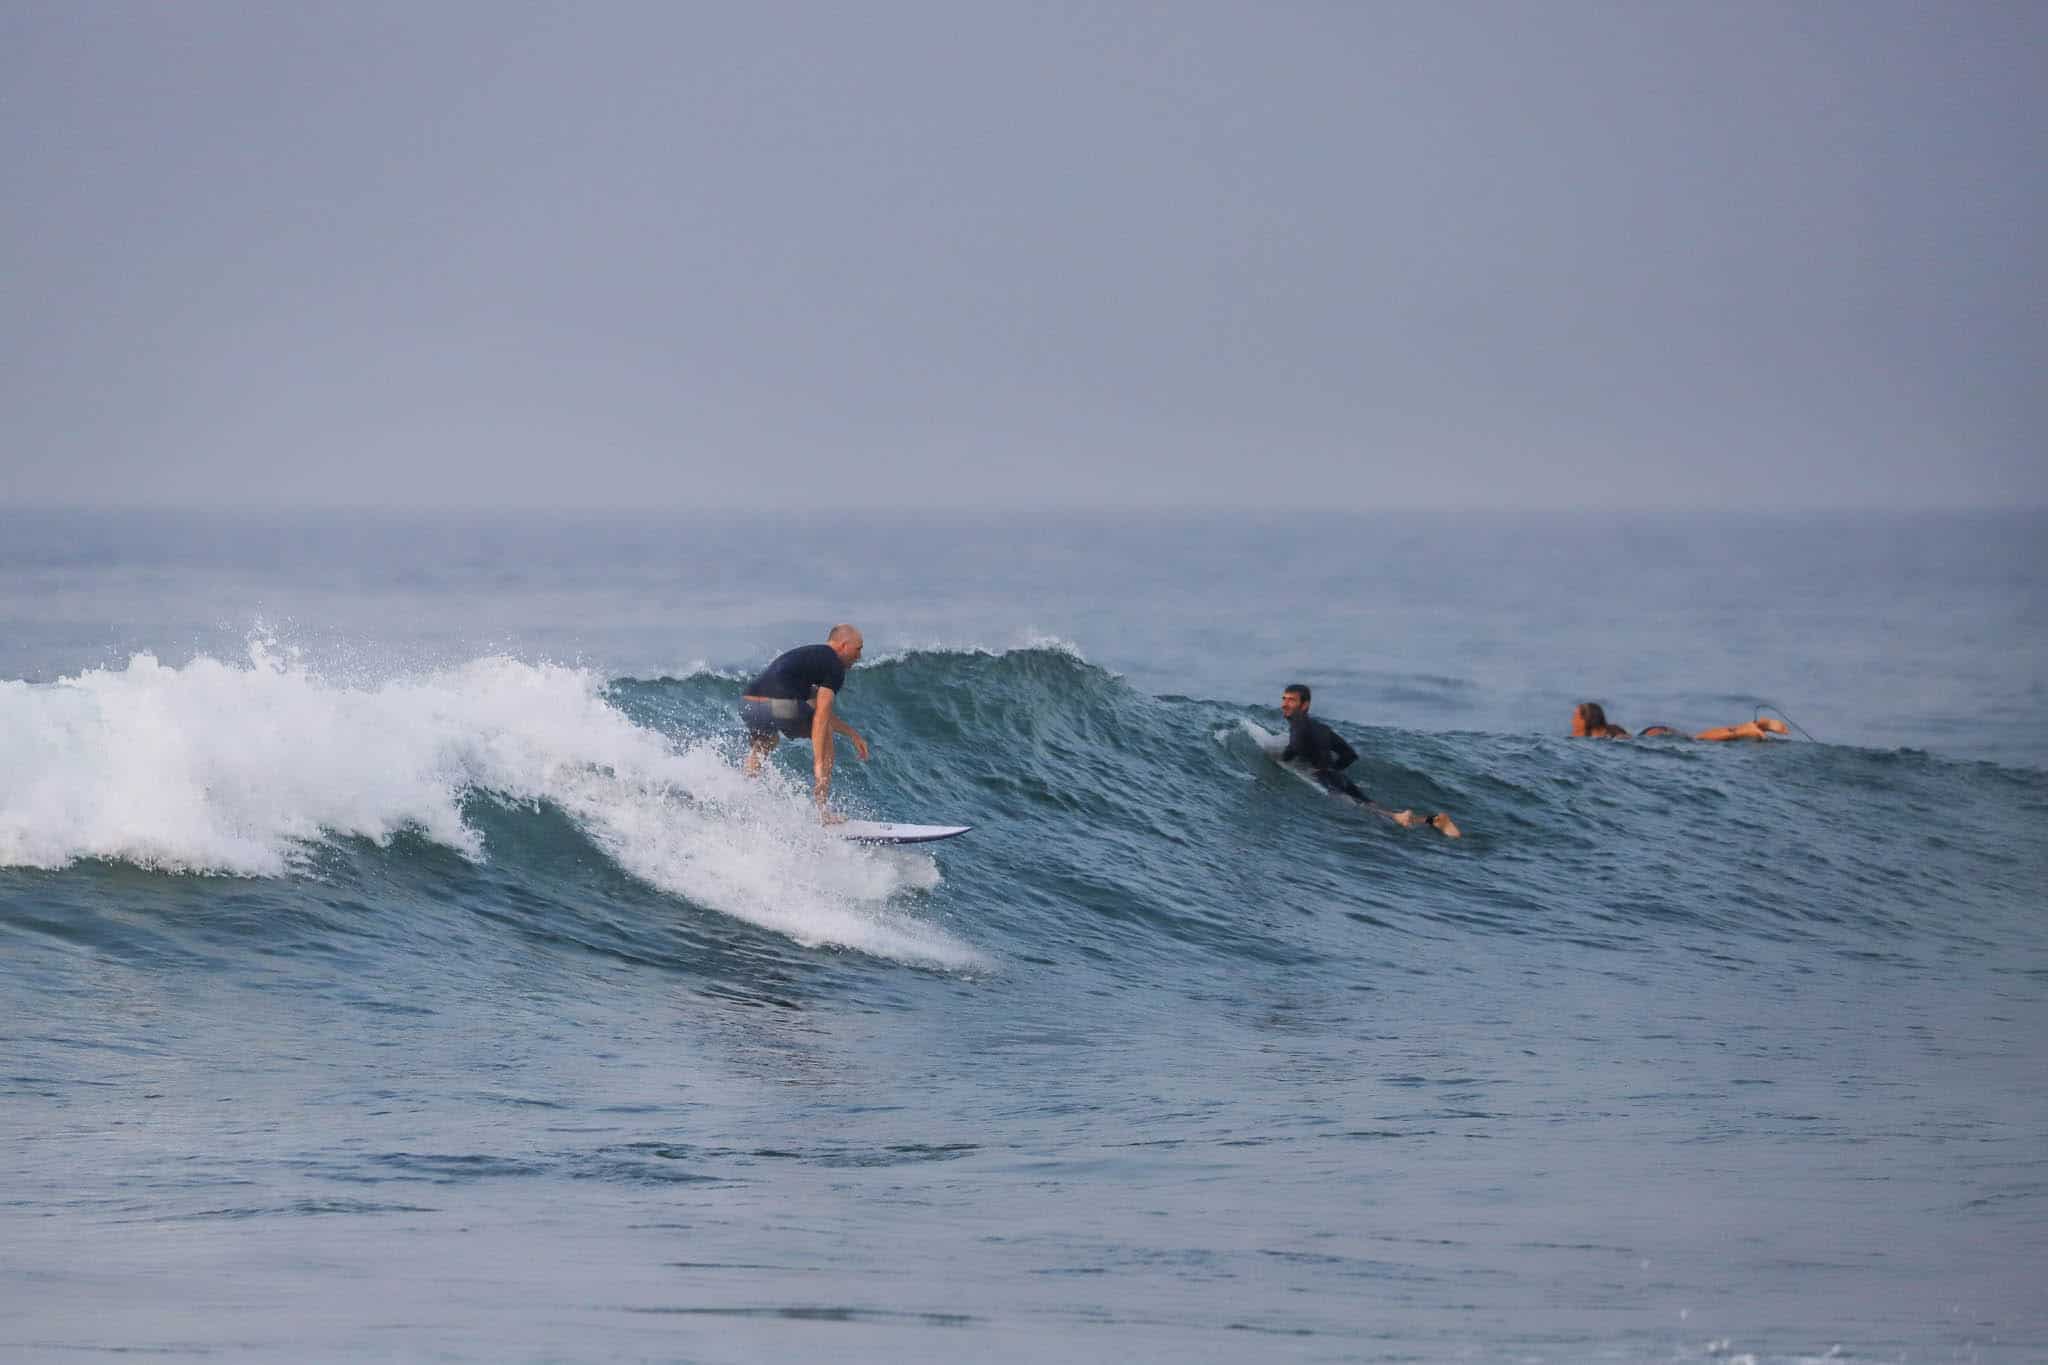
{"points": [[1267, 254]]}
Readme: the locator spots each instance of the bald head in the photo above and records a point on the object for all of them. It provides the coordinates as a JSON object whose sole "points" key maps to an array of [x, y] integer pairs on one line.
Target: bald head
{"points": [[846, 642]]}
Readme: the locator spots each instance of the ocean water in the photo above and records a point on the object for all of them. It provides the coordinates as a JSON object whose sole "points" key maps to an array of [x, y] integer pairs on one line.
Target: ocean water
{"points": [[394, 964]]}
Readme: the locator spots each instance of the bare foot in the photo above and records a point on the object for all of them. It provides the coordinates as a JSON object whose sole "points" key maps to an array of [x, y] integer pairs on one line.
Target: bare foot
{"points": [[1408, 819], [831, 817], [1446, 826], [1772, 724]]}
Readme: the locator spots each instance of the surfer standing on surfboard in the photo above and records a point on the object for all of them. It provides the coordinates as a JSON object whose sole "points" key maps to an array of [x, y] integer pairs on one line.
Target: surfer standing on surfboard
{"points": [[796, 697], [1327, 755]]}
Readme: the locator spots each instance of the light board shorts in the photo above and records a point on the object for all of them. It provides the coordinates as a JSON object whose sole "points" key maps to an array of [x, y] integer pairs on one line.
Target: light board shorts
{"points": [[779, 716]]}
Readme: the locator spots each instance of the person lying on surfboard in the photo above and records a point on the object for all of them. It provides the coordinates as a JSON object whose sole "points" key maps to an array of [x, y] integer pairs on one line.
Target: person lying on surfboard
{"points": [[796, 697], [1589, 721], [1328, 755]]}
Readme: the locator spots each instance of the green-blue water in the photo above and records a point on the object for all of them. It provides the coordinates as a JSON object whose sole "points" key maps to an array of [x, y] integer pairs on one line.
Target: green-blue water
{"points": [[396, 966]]}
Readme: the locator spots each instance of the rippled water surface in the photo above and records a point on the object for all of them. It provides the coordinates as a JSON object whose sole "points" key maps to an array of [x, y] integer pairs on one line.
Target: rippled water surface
{"points": [[395, 964]]}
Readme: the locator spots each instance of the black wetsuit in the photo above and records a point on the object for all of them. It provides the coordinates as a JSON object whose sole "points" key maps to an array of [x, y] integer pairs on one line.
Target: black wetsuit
{"points": [[790, 686], [1324, 750]]}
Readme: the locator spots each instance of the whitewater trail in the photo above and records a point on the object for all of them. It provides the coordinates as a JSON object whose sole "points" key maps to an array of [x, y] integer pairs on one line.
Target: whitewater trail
{"points": [[243, 770]]}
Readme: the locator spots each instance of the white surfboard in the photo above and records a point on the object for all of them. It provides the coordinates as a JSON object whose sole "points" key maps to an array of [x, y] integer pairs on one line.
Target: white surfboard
{"points": [[1273, 746], [884, 832]]}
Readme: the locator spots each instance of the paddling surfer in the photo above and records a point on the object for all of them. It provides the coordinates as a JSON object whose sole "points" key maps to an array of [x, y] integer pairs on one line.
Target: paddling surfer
{"points": [[796, 697], [1328, 754], [1589, 721]]}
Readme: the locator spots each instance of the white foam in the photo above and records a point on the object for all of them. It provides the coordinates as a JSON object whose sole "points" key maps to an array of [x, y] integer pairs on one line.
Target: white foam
{"points": [[236, 769]]}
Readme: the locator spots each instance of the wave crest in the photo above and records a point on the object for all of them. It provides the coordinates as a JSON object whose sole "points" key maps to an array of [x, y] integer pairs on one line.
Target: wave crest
{"points": [[241, 769]]}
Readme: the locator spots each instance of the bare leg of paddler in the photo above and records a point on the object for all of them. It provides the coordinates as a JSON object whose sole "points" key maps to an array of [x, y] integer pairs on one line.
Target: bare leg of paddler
{"points": [[1440, 822]]}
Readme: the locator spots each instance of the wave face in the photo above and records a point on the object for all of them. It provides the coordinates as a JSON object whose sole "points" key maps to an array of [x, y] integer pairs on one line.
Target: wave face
{"points": [[1102, 812]]}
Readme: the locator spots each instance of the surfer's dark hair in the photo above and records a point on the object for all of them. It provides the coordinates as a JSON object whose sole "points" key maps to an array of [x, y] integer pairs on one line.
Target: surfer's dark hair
{"points": [[1595, 714], [1299, 690]]}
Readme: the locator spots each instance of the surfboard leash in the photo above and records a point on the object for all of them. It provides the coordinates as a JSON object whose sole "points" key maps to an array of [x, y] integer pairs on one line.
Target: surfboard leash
{"points": [[1764, 706]]}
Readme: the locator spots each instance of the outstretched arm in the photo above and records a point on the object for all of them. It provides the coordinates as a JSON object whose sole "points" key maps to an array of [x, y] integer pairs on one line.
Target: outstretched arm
{"points": [[860, 746], [825, 723], [822, 724]]}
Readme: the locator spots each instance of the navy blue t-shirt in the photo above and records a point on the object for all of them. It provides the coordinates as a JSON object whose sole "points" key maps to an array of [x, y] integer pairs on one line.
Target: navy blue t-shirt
{"points": [[795, 674]]}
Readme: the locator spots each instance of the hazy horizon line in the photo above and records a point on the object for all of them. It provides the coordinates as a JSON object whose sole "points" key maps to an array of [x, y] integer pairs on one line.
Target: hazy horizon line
{"points": [[646, 511]]}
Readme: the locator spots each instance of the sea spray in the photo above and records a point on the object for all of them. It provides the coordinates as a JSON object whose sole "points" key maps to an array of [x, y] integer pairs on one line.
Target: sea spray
{"points": [[243, 770]]}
